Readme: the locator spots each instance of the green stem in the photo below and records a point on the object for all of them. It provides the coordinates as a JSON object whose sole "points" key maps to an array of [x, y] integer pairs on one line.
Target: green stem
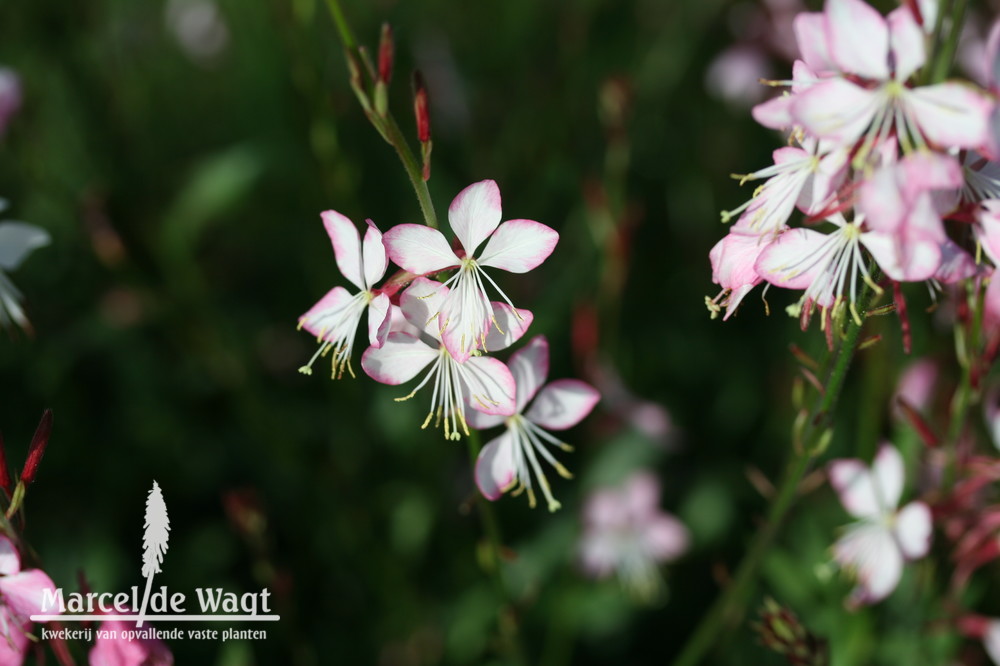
{"points": [[727, 611], [389, 128], [967, 350], [506, 618], [945, 54]]}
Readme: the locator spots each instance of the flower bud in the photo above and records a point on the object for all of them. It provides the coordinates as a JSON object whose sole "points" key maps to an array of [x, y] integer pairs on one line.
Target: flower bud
{"points": [[781, 631], [386, 54], [37, 448], [420, 108]]}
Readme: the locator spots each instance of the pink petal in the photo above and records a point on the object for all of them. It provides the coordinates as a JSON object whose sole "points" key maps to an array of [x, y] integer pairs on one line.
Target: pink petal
{"points": [[379, 320], [993, 55], [907, 40], [787, 261], [474, 214], [495, 468], [327, 313], [399, 324], [858, 38], [641, 496], [422, 302], [910, 259], [530, 366], [950, 114], [956, 264], [398, 360], [562, 404], [837, 110], [870, 551], [419, 249], [10, 560], [733, 258], [14, 639], [519, 246], [913, 530], [346, 245], [375, 257], [22, 593], [775, 113], [811, 36], [666, 538], [989, 229], [490, 386], [507, 327]]}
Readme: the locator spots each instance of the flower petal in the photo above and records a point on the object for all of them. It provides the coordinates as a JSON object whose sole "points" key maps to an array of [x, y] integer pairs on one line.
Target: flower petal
{"points": [[398, 360], [379, 320], [913, 530], [907, 42], [22, 593], [837, 110], [858, 38], [421, 304], [375, 257], [912, 258], [10, 560], [871, 553], [988, 231], [530, 366], [562, 404], [474, 214], [666, 538], [481, 421], [787, 262], [519, 246], [419, 249], [495, 468], [507, 327], [869, 493], [950, 114], [328, 313], [18, 240], [346, 246], [490, 386], [811, 36]]}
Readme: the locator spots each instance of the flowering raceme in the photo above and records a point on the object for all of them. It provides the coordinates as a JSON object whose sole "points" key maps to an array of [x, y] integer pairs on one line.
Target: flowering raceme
{"points": [[879, 164]]}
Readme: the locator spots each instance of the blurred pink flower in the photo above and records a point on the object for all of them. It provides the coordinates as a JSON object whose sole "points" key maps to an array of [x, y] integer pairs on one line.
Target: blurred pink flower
{"points": [[481, 382], [735, 74], [875, 547], [335, 318], [509, 460], [10, 97], [625, 532], [466, 317], [120, 651], [20, 597], [917, 382]]}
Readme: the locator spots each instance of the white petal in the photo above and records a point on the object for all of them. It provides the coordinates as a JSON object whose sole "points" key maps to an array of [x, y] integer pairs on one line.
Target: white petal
{"points": [[913, 530], [950, 114], [422, 302], [519, 246], [346, 246], [419, 249], [375, 257], [18, 240], [507, 327], [475, 214], [869, 493], [496, 471], [907, 40], [398, 360], [562, 404], [10, 561], [871, 553], [530, 367], [837, 110], [379, 320], [858, 38], [490, 385]]}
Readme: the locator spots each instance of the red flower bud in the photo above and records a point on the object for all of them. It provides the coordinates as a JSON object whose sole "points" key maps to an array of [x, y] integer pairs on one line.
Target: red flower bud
{"points": [[4, 472], [37, 448], [386, 54], [420, 108]]}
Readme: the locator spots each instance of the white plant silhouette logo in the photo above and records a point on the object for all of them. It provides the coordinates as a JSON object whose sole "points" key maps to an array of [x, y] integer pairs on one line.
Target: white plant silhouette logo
{"points": [[154, 542]]}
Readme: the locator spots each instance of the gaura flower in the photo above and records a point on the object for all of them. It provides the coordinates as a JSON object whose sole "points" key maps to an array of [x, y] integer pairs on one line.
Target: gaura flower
{"points": [[334, 319], [480, 382], [625, 532], [466, 315], [510, 459], [20, 598], [875, 547], [17, 241], [123, 651]]}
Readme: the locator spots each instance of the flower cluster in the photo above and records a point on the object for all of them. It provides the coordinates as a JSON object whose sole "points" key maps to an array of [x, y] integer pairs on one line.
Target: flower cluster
{"points": [[894, 174], [445, 330]]}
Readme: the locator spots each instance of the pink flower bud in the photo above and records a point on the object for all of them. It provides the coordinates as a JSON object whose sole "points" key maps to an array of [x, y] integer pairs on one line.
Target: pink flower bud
{"points": [[37, 448], [420, 108]]}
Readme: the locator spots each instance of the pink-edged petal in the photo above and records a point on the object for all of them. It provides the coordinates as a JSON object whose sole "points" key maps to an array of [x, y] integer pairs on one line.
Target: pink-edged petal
{"points": [[868, 493], [907, 42], [379, 320], [419, 249], [858, 38], [869, 551], [530, 367], [496, 471], [375, 258], [993, 55], [811, 36], [950, 114], [421, 304], [464, 323], [786, 262], [824, 182], [913, 530], [837, 110], [507, 327], [519, 246], [666, 538], [562, 404], [734, 256], [881, 201], [474, 214], [481, 421], [14, 639], [912, 259], [399, 324], [10, 560], [988, 232], [22, 593], [775, 113], [398, 360], [328, 312], [346, 246], [956, 264], [490, 386]]}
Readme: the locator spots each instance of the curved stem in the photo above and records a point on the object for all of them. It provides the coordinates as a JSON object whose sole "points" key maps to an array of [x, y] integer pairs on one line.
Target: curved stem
{"points": [[728, 609]]}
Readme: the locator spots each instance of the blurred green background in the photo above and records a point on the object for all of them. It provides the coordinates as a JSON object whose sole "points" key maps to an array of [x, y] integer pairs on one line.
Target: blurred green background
{"points": [[180, 161]]}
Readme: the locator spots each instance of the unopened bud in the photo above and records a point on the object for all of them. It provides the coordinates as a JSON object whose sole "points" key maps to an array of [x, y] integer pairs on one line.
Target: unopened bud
{"points": [[420, 109], [37, 448], [781, 631], [386, 54]]}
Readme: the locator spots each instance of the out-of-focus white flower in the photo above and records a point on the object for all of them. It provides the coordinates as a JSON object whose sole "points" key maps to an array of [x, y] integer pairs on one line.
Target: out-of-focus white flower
{"points": [[199, 29], [17, 241]]}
